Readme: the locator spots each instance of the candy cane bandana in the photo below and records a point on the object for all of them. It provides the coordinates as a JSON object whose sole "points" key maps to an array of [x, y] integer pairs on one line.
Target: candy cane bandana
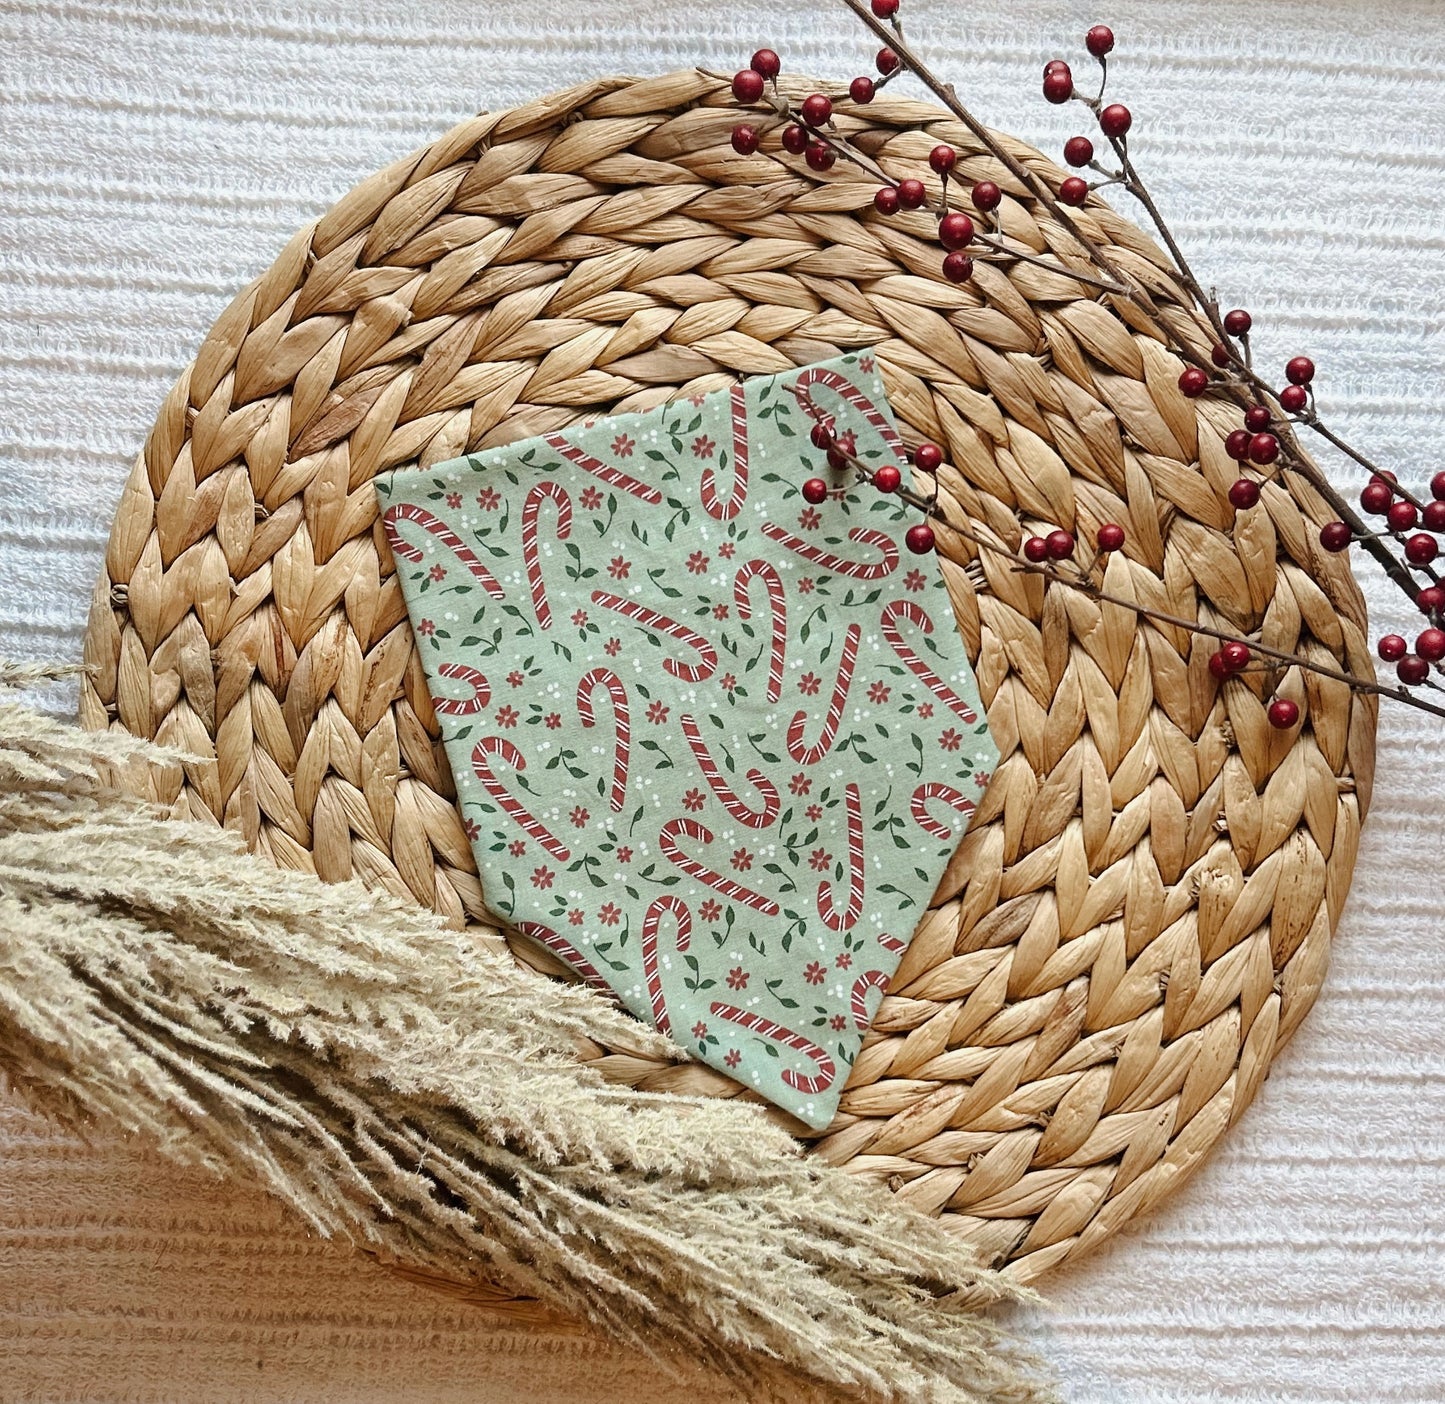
{"points": [[713, 746]]}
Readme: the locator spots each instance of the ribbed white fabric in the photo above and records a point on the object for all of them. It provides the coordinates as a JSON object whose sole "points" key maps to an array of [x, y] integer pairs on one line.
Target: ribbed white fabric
{"points": [[157, 155]]}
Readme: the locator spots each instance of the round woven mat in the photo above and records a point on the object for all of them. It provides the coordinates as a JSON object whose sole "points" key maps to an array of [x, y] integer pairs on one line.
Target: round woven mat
{"points": [[1141, 912]]}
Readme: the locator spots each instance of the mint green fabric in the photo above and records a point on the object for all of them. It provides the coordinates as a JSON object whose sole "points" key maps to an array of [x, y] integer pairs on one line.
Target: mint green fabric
{"points": [[713, 746]]}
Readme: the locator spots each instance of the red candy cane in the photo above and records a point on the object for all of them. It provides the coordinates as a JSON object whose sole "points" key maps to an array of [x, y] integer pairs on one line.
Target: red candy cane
{"points": [[530, 508], [894, 945], [650, 923], [622, 746], [754, 819], [459, 706], [726, 511], [798, 748], [651, 619], [820, 375], [778, 603], [755, 1023], [559, 945], [829, 560], [845, 920], [482, 766], [935, 684], [869, 980], [614, 477], [936, 789], [434, 526], [671, 850]]}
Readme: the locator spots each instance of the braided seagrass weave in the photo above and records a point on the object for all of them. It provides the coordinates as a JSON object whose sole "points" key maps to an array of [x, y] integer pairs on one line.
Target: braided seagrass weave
{"points": [[1141, 912]]}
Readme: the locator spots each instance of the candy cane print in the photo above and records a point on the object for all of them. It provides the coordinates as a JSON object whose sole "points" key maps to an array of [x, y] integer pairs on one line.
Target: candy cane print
{"points": [[726, 511], [845, 920], [778, 604], [869, 980], [559, 945], [434, 526], [622, 745], [650, 971], [462, 706], [530, 508], [614, 477], [821, 375], [800, 751], [936, 685], [482, 767], [936, 789], [766, 1028], [753, 818], [651, 619], [894, 945], [671, 850], [829, 560]]}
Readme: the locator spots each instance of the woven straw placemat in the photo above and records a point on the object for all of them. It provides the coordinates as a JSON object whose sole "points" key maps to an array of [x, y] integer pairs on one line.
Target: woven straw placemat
{"points": [[1141, 912]]}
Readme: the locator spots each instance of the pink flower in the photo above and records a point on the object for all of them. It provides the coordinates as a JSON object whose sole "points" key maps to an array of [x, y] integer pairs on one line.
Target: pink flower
{"points": [[738, 978], [844, 960], [612, 647], [805, 585], [710, 910], [591, 498], [694, 800], [656, 712], [838, 1023], [732, 1058], [808, 684], [814, 812], [727, 682], [800, 784], [438, 572], [925, 710], [576, 916], [624, 854], [808, 518], [719, 611], [506, 716], [949, 740], [981, 779], [914, 580], [579, 617], [878, 693], [815, 974], [727, 550], [697, 400], [579, 817], [542, 877], [609, 914], [473, 829], [865, 364], [488, 499], [553, 720], [697, 562], [426, 627], [819, 859], [618, 568], [516, 677], [699, 1031], [622, 446], [517, 847], [742, 860], [454, 500], [702, 446]]}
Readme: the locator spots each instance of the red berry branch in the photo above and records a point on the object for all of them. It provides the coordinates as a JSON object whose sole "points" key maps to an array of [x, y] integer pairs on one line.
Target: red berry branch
{"points": [[1265, 444]]}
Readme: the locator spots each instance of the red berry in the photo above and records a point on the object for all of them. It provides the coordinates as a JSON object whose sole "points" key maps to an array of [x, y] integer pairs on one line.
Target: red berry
{"points": [[1055, 66], [955, 231], [1383, 475], [957, 267], [1402, 515], [820, 157], [745, 140], [1391, 647], [1078, 151], [1299, 370], [1335, 536], [1221, 355], [1293, 398], [886, 200], [1437, 487], [1238, 322], [928, 457], [919, 538], [1237, 445], [911, 193], [747, 85], [1111, 536], [1193, 382], [817, 109], [1431, 645], [1412, 670], [1431, 599], [1243, 494], [1236, 655], [885, 9], [1263, 449], [886, 62], [887, 478], [1375, 498], [861, 90], [1421, 549], [1074, 191], [1115, 120], [1036, 549], [766, 62], [837, 459], [1218, 668], [815, 490], [1434, 516], [821, 435], [943, 159], [1099, 40], [1060, 544], [1283, 713], [986, 196], [1059, 85], [795, 139]]}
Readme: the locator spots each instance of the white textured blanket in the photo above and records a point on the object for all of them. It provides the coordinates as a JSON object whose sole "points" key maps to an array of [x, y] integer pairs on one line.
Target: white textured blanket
{"points": [[156, 156]]}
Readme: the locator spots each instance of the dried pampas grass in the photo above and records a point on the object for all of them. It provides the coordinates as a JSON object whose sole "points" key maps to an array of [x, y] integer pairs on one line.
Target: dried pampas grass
{"points": [[409, 1092]]}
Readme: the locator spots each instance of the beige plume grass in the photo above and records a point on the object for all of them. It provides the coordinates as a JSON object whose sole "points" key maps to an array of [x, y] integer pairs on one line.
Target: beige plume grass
{"points": [[406, 1091]]}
